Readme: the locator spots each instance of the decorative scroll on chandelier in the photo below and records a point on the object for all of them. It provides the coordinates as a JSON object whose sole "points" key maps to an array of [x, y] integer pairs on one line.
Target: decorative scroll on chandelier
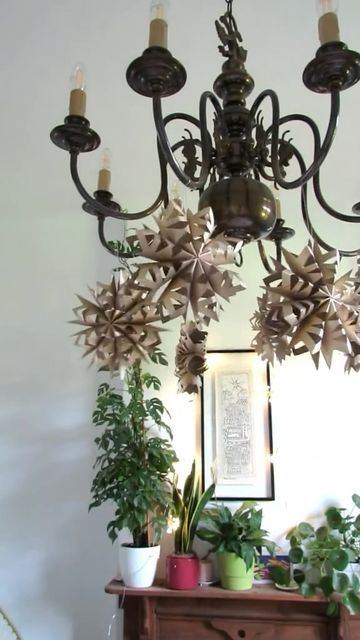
{"points": [[233, 169], [235, 163]]}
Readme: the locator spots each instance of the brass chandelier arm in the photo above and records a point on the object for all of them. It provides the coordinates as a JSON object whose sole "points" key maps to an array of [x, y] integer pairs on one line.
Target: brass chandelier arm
{"points": [[206, 143], [261, 172], [320, 150], [263, 257], [332, 212], [306, 217], [277, 236], [316, 178], [112, 247], [98, 207]]}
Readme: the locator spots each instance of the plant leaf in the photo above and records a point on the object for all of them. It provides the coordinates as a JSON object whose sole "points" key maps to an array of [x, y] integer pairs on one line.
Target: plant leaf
{"points": [[339, 559], [352, 602], [340, 582], [295, 555], [327, 586], [333, 517]]}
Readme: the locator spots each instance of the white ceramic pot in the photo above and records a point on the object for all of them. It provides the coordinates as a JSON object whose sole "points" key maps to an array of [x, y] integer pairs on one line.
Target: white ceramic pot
{"points": [[137, 565]]}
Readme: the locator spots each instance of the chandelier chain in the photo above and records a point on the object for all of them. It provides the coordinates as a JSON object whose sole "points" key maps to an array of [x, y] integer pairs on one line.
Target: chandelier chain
{"points": [[229, 7]]}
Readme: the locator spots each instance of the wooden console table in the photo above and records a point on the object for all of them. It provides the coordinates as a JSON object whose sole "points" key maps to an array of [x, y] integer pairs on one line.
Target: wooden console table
{"points": [[213, 613]]}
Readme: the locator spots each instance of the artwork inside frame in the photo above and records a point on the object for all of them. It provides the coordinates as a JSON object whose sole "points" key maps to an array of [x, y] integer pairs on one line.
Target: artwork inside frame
{"points": [[236, 426]]}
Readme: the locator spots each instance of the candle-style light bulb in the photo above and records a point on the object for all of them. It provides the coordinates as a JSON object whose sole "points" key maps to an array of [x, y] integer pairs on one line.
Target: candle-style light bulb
{"points": [[158, 23], [77, 104], [175, 194], [328, 20], [104, 178]]}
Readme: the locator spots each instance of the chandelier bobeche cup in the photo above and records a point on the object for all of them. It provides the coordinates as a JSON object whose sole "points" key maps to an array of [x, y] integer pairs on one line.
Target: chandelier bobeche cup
{"points": [[236, 165]]}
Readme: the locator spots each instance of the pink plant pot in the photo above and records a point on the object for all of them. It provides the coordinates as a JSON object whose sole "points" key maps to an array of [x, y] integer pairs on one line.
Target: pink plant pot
{"points": [[182, 571]]}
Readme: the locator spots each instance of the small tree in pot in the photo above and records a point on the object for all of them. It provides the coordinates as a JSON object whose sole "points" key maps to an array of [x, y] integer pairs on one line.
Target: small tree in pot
{"points": [[134, 463]]}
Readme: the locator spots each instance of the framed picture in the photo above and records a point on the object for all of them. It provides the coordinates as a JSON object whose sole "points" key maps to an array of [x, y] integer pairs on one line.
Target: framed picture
{"points": [[236, 426]]}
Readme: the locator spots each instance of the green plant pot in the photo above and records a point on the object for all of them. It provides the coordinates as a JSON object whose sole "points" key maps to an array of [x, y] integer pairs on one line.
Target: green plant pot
{"points": [[233, 573]]}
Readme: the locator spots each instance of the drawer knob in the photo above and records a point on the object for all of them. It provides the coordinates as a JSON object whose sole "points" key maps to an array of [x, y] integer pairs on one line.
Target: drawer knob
{"points": [[242, 633]]}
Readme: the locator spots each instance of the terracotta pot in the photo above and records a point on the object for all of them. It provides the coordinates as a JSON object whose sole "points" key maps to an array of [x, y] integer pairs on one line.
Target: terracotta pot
{"points": [[182, 571]]}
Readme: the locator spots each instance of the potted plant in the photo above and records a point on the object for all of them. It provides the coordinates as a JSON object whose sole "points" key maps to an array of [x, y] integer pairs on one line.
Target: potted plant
{"points": [[133, 467], [237, 539], [323, 557], [182, 566]]}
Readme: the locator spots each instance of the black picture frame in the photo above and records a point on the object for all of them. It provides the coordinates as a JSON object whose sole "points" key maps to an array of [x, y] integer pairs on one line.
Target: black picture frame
{"points": [[236, 426]]}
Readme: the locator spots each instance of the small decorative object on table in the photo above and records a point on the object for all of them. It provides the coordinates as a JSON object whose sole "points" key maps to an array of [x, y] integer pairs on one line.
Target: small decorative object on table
{"points": [[281, 571]]}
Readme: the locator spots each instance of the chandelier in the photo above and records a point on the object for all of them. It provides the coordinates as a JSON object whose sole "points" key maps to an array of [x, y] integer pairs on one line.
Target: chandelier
{"points": [[232, 167], [236, 166]]}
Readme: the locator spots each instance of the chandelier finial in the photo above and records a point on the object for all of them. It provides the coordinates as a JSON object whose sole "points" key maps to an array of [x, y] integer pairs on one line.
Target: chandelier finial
{"points": [[230, 36]]}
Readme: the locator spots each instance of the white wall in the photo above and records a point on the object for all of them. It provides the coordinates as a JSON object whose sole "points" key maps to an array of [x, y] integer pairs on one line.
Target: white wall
{"points": [[55, 558], [314, 417]]}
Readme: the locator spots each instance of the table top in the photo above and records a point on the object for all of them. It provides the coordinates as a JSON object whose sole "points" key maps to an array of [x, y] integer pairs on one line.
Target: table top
{"points": [[258, 592]]}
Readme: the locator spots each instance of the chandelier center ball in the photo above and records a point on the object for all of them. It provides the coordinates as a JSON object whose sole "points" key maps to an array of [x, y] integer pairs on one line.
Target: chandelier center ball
{"points": [[243, 208]]}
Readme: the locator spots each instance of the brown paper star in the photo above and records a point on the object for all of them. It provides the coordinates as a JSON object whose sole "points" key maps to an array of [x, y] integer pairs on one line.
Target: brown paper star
{"points": [[184, 276], [271, 340], [353, 360], [309, 309], [118, 324], [190, 357]]}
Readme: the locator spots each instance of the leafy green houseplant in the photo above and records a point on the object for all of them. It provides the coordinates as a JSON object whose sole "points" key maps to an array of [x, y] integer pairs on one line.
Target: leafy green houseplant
{"points": [[182, 567], [348, 526], [323, 557], [236, 537], [133, 462], [188, 507]]}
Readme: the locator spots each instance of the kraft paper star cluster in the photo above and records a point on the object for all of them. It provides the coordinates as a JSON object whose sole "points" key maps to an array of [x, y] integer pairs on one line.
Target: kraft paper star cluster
{"points": [[118, 325], [180, 273], [190, 358], [307, 307], [184, 273]]}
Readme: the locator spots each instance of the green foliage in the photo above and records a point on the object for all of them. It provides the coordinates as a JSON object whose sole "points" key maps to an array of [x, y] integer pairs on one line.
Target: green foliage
{"points": [[348, 526], [324, 553], [134, 462], [280, 574], [188, 507], [239, 532], [128, 248]]}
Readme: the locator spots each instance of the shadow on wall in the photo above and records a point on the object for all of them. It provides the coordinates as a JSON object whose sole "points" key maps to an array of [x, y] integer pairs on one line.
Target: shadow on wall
{"points": [[55, 557]]}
